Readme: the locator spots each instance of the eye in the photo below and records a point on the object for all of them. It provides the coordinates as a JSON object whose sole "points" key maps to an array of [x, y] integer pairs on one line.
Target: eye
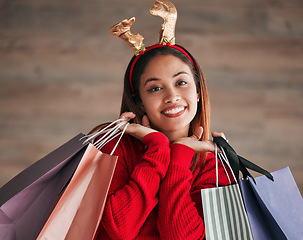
{"points": [[154, 89], [181, 82]]}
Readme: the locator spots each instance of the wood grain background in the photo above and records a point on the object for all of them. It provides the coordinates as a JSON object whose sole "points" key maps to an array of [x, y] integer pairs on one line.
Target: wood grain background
{"points": [[61, 73]]}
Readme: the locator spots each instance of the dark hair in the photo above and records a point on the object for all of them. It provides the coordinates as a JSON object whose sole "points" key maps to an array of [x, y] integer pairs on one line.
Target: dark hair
{"points": [[131, 101]]}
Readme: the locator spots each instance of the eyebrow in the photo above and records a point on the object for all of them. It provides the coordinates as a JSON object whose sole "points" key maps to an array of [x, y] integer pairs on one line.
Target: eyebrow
{"points": [[179, 73], [157, 79]]}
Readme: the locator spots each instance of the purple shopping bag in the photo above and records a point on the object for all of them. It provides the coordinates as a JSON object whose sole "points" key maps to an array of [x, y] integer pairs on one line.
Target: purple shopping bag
{"points": [[274, 208], [27, 200]]}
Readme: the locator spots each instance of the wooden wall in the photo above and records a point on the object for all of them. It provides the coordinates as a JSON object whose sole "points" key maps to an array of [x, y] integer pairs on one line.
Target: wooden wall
{"points": [[61, 73]]}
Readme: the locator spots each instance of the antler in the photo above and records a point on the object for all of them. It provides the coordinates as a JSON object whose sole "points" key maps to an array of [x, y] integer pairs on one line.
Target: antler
{"points": [[122, 30], [170, 17]]}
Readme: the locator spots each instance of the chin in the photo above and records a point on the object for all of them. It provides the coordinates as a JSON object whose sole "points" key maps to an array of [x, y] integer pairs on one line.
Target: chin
{"points": [[172, 124]]}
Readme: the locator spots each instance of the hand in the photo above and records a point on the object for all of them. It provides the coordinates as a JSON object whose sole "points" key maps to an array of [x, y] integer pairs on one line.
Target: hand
{"points": [[218, 134], [137, 130], [200, 146]]}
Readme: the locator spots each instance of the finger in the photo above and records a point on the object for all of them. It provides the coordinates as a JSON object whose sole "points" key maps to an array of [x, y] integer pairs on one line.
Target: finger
{"points": [[209, 146], [198, 133], [218, 134], [145, 121], [203, 146], [127, 116]]}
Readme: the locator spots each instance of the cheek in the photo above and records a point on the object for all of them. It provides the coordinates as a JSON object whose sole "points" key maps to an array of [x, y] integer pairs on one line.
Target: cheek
{"points": [[192, 96], [194, 107], [193, 104], [150, 108], [149, 104]]}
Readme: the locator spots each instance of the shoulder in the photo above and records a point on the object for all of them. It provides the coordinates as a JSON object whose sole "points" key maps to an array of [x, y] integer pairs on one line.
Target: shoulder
{"points": [[206, 163], [125, 145], [210, 162], [205, 174], [128, 144]]}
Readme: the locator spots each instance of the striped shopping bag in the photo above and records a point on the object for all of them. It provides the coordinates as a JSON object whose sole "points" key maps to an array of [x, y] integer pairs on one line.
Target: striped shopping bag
{"points": [[224, 214]]}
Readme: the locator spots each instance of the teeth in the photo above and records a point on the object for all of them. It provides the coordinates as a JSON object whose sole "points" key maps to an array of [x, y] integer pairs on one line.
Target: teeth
{"points": [[174, 110]]}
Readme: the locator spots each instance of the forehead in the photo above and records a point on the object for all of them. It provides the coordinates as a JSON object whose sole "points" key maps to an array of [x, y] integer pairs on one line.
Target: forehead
{"points": [[165, 65]]}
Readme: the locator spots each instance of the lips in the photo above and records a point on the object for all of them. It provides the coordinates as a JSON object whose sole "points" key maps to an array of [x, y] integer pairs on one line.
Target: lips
{"points": [[174, 111]]}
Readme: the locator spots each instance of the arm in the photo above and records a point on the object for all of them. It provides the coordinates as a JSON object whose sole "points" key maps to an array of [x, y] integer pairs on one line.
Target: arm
{"points": [[178, 217], [180, 205], [133, 195]]}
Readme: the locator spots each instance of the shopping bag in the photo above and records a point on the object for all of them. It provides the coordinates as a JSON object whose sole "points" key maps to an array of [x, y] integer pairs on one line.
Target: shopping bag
{"points": [[275, 208], [237, 163], [223, 209], [27, 199], [78, 213], [272, 201]]}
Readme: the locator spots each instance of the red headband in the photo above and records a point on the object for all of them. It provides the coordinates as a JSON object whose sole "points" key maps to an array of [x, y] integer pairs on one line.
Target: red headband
{"points": [[150, 48]]}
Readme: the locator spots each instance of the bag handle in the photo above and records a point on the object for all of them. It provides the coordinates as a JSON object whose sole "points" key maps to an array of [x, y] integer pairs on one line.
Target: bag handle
{"points": [[239, 163], [223, 158], [110, 132]]}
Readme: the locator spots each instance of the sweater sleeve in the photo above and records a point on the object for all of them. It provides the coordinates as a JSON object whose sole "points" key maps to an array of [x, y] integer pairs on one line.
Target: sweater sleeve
{"points": [[180, 204], [178, 217], [134, 195]]}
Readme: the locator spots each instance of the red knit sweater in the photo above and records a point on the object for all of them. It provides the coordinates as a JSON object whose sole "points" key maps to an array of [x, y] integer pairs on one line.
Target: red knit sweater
{"points": [[153, 194]]}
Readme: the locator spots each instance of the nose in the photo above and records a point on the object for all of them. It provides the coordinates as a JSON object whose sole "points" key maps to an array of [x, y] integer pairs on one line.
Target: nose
{"points": [[171, 96]]}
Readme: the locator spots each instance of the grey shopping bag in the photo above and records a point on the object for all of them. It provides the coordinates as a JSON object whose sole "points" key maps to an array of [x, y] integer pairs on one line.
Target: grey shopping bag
{"points": [[275, 208]]}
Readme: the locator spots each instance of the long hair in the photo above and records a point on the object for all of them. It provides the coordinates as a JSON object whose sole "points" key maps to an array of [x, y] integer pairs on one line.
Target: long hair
{"points": [[131, 101]]}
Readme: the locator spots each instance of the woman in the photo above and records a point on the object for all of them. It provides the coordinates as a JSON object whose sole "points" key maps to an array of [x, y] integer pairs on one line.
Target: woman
{"points": [[164, 158], [162, 161]]}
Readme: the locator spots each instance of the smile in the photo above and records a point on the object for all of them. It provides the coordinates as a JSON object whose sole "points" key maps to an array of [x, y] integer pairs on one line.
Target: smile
{"points": [[174, 112]]}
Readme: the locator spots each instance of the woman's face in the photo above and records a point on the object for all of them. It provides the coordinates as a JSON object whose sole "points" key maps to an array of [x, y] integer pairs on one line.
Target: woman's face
{"points": [[169, 95]]}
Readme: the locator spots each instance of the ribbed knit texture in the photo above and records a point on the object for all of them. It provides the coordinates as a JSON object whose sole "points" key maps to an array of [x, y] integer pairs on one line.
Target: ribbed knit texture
{"points": [[153, 194]]}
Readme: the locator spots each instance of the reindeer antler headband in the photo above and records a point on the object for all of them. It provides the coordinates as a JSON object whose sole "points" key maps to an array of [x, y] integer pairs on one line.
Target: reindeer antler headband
{"points": [[167, 33]]}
